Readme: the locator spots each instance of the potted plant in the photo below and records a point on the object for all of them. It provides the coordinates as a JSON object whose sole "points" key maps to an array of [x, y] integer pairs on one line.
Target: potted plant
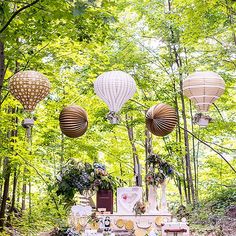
{"points": [[105, 184]]}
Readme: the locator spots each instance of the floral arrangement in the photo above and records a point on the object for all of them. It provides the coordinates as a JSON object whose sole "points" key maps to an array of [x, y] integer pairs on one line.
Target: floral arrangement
{"points": [[159, 170], [139, 208], [84, 178]]}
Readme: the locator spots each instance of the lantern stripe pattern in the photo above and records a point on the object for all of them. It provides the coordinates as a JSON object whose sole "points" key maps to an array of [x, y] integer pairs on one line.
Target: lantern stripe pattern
{"points": [[203, 88], [29, 87], [115, 88], [73, 121], [161, 119]]}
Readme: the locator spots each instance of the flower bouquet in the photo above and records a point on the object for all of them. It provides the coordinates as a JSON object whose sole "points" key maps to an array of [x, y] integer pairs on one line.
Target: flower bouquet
{"points": [[84, 178]]}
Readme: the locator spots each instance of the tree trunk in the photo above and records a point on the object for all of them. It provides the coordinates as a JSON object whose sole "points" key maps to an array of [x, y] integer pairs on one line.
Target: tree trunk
{"points": [[177, 59], [187, 151], [137, 169], [14, 133], [148, 151], [23, 206], [2, 67], [30, 200], [7, 173], [179, 141], [13, 201], [18, 191], [194, 155], [62, 150], [1, 165]]}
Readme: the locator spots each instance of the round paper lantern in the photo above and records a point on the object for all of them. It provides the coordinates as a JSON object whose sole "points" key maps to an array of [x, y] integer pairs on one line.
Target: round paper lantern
{"points": [[73, 121], [161, 119], [29, 87], [203, 88], [114, 88]]}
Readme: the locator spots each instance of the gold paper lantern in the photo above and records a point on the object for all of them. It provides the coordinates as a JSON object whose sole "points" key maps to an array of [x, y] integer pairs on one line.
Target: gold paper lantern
{"points": [[73, 121], [29, 87], [203, 88], [161, 119]]}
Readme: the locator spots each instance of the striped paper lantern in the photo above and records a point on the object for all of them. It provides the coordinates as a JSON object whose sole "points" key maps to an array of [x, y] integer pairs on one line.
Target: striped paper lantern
{"points": [[73, 121], [203, 88], [115, 88], [29, 87], [161, 119]]}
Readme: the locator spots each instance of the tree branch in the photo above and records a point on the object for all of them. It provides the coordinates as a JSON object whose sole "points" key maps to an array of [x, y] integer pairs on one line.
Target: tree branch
{"points": [[206, 144], [222, 147], [16, 13], [218, 111], [139, 103], [2, 101]]}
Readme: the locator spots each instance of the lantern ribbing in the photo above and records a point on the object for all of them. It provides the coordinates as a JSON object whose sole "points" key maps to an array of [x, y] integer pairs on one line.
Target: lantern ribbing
{"points": [[73, 121], [203, 88], [161, 119], [114, 88]]}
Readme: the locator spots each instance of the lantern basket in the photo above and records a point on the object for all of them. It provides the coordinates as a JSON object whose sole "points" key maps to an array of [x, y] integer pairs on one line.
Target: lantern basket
{"points": [[202, 120], [113, 117]]}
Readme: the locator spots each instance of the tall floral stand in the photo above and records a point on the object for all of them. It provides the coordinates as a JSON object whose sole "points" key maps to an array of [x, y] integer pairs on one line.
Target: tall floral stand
{"points": [[163, 202], [152, 200]]}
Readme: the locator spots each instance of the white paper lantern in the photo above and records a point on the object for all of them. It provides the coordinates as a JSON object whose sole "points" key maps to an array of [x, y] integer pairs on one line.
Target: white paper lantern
{"points": [[203, 88], [115, 88]]}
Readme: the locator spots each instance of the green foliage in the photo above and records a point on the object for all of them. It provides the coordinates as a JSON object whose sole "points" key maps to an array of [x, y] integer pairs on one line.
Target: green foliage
{"points": [[84, 178]]}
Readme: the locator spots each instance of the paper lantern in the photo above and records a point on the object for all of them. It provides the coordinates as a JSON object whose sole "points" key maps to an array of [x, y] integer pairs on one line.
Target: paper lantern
{"points": [[114, 88], [161, 119], [73, 121], [203, 88], [29, 87]]}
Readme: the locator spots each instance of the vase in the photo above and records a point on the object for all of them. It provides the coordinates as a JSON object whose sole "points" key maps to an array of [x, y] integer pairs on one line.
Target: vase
{"points": [[152, 200], [105, 199], [163, 203]]}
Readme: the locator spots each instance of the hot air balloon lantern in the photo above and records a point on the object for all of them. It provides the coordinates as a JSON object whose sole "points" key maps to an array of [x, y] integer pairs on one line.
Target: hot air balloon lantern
{"points": [[161, 119], [203, 88], [73, 121], [114, 88], [29, 87]]}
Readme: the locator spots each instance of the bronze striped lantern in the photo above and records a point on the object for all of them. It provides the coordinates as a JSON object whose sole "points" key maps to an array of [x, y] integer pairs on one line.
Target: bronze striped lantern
{"points": [[29, 87], [161, 119], [73, 121]]}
